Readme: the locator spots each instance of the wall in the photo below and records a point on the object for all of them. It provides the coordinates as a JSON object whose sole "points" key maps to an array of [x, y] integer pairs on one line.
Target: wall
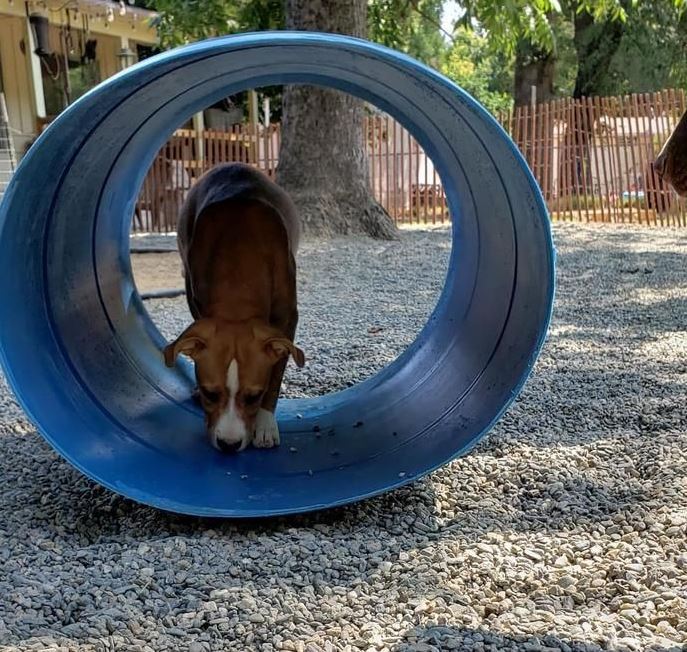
{"points": [[14, 66]]}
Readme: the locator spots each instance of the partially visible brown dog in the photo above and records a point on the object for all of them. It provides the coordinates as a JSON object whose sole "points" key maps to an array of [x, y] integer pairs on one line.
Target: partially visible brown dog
{"points": [[238, 234], [671, 163]]}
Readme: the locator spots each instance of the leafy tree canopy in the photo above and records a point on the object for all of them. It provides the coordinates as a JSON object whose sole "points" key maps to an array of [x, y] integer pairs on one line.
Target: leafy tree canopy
{"points": [[479, 53], [472, 64], [185, 21], [412, 26], [651, 55], [508, 21]]}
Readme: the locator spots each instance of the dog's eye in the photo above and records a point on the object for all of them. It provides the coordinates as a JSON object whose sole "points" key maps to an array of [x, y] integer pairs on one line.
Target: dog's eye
{"points": [[252, 398], [209, 395]]}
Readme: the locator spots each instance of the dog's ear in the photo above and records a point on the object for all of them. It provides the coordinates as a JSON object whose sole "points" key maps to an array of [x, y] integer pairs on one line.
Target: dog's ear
{"points": [[191, 342], [276, 344], [281, 347]]}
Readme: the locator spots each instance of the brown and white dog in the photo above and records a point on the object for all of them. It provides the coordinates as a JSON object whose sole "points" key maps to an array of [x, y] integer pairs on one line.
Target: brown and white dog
{"points": [[671, 163], [238, 234]]}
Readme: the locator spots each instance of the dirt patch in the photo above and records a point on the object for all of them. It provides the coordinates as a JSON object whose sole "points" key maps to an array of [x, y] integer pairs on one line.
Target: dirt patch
{"points": [[157, 271]]}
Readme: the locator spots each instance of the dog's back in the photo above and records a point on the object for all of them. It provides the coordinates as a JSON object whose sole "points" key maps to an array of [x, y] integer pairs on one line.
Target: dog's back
{"points": [[235, 182]]}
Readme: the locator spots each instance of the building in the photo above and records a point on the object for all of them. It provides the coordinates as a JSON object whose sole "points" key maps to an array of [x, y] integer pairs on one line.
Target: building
{"points": [[53, 51]]}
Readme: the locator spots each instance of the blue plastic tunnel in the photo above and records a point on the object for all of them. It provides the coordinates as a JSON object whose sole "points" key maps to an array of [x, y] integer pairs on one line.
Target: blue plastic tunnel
{"points": [[84, 357]]}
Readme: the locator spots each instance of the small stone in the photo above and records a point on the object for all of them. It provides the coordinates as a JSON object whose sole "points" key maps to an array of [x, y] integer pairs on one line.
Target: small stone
{"points": [[665, 628], [533, 555], [492, 608], [256, 618], [566, 581], [630, 614]]}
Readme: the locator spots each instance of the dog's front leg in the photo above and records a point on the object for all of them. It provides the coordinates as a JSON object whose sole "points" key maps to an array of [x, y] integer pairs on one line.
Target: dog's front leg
{"points": [[266, 427]]}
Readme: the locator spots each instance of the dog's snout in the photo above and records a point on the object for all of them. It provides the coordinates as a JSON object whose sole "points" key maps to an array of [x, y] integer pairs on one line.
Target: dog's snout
{"points": [[228, 446]]}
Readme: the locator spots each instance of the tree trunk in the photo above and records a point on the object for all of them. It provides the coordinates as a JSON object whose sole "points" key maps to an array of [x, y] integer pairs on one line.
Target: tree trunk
{"points": [[533, 67], [323, 161], [596, 43]]}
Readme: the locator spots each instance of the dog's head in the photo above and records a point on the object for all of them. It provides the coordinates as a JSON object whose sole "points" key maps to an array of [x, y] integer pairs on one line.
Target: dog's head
{"points": [[233, 362], [671, 163]]}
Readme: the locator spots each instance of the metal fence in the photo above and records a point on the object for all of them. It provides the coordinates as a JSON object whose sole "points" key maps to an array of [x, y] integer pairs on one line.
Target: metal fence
{"points": [[593, 159]]}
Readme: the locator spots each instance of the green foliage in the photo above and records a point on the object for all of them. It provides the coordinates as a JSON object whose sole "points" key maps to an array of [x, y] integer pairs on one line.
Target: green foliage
{"points": [[651, 55], [185, 21], [473, 65], [412, 26], [566, 57], [507, 21]]}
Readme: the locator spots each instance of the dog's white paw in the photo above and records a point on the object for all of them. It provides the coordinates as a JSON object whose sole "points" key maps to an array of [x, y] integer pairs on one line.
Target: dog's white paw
{"points": [[266, 430]]}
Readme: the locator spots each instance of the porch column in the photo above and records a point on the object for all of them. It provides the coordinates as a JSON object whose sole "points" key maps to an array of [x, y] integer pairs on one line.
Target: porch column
{"points": [[35, 75]]}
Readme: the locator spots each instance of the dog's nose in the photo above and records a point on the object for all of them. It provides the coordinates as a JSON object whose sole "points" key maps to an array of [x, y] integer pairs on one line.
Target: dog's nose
{"points": [[228, 446]]}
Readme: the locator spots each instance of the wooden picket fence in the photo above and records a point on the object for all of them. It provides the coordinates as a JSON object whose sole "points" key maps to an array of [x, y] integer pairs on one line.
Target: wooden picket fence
{"points": [[593, 159], [402, 177]]}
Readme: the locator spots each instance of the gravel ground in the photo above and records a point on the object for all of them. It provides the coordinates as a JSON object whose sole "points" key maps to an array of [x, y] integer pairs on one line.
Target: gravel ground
{"points": [[564, 530]]}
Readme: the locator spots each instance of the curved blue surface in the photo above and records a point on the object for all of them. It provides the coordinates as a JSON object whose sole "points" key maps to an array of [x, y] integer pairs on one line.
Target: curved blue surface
{"points": [[84, 358]]}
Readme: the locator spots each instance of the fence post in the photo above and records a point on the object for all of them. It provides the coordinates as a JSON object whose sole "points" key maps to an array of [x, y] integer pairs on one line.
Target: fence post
{"points": [[199, 128]]}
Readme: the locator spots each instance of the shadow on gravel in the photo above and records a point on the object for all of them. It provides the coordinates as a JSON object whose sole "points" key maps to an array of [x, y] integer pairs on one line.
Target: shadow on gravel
{"points": [[62, 504], [464, 639]]}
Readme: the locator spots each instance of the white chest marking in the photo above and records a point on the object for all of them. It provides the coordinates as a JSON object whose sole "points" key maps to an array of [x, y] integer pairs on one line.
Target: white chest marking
{"points": [[233, 379], [230, 426]]}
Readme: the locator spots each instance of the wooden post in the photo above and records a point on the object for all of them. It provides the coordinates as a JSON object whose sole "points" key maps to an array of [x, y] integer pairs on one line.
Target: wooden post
{"points": [[254, 120], [199, 128], [266, 112], [581, 170]]}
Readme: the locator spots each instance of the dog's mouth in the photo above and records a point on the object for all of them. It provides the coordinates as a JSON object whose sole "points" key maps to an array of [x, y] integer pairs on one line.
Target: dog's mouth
{"points": [[227, 447]]}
